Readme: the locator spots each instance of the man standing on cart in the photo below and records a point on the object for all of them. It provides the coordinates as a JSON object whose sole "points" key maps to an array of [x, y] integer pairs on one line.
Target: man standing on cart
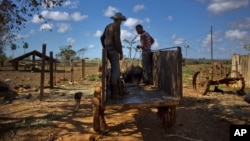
{"points": [[111, 40], [146, 42]]}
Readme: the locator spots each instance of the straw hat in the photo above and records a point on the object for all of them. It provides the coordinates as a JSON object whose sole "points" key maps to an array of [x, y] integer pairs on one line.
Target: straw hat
{"points": [[119, 15]]}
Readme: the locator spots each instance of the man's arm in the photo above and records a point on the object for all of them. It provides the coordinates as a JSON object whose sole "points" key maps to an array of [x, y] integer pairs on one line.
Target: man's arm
{"points": [[117, 39], [152, 40], [103, 39]]}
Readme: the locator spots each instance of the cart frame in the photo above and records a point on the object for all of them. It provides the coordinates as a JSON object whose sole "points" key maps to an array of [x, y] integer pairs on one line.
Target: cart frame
{"points": [[165, 94]]}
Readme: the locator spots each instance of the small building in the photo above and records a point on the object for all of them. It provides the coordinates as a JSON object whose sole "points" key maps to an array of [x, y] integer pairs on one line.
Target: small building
{"points": [[16, 61]]}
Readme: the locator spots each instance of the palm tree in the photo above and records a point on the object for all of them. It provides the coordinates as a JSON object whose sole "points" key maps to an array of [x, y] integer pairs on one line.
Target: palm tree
{"points": [[25, 46], [13, 48]]}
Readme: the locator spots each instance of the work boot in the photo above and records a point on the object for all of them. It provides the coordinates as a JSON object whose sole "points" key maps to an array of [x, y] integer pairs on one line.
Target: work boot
{"points": [[114, 92]]}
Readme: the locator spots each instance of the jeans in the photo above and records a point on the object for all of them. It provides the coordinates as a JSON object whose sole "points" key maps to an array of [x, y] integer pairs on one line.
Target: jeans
{"points": [[113, 57], [147, 65]]}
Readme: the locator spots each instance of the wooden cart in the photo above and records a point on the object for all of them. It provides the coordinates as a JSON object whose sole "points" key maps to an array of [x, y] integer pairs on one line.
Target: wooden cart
{"points": [[165, 94]]}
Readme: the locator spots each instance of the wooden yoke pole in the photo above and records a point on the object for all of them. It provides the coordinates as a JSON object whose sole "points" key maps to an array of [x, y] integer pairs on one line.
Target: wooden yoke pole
{"points": [[42, 72], [51, 70]]}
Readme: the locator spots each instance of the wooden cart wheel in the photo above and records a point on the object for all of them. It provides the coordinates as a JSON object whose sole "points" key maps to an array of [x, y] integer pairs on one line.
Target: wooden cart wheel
{"points": [[201, 83], [167, 116], [236, 83]]}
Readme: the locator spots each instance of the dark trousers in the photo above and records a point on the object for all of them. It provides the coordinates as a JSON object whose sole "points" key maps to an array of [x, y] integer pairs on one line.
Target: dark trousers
{"points": [[113, 57], [147, 66]]}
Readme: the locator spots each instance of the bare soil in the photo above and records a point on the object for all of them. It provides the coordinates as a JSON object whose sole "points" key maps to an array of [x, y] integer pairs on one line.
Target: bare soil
{"points": [[26, 118]]}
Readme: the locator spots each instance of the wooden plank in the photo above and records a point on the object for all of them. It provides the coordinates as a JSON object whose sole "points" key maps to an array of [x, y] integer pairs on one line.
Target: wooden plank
{"points": [[139, 97], [167, 72], [143, 105]]}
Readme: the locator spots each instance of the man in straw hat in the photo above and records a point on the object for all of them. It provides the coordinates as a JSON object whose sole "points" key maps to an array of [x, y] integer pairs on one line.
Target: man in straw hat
{"points": [[111, 40]]}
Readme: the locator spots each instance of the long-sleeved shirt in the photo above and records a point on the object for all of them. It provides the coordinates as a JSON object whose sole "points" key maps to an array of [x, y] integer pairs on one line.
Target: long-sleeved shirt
{"points": [[111, 39]]}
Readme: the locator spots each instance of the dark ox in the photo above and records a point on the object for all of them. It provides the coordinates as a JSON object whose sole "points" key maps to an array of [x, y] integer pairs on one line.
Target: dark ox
{"points": [[133, 74]]}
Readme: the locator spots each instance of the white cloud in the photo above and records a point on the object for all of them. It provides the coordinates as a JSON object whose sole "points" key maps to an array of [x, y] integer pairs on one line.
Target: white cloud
{"points": [[131, 22], [207, 40], [138, 7], [46, 26], [242, 24], [110, 11], [170, 18], [236, 35], [91, 46], [20, 36], [55, 15], [147, 20], [179, 41], [245, 24], [59, 16], [221, 6], [70, 40], [36, 19], [156, 44], [76, 16], [98, 33], [125, 34], [63, 27], [71, 4]]}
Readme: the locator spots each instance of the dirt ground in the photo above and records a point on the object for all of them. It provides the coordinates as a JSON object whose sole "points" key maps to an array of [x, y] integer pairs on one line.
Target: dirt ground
{"points": [[26, 118]]}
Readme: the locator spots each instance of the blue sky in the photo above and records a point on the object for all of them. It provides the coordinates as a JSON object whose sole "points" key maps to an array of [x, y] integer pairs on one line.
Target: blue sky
{"points": [[171, 23]]}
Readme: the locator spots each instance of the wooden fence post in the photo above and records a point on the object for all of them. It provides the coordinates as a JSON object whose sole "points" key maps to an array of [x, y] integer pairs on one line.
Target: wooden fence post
{"points": [[83, 69], [51, 70], [42, 72]]}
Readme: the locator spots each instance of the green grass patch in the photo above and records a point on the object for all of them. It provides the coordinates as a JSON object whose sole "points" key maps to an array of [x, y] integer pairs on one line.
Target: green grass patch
{"points": [[94, 77]]}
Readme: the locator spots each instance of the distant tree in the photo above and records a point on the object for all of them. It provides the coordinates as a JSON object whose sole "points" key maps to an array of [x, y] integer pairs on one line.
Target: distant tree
{"points": [[14, 14], [81, 52], [25, 46], [247, 47], [130, 45], [13, 48], [66, 53]]}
